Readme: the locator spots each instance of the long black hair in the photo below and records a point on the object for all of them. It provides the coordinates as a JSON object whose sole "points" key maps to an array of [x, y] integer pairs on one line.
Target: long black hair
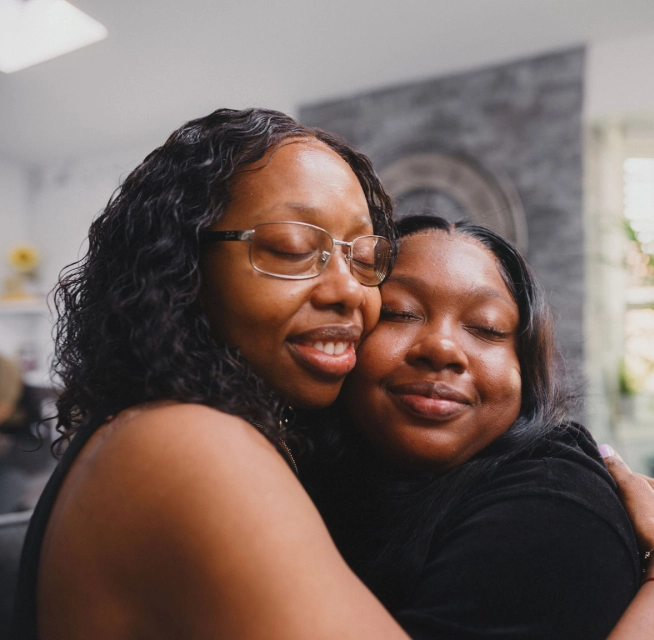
{"points": [[130, 328], [385, 521]]}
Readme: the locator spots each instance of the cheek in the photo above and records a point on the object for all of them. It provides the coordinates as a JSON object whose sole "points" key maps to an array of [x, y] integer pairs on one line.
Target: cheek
{"points": [[246, 309], [378, 357], [265, 308], [515, 384], [221, 276], [370, 309], [504, 393]]}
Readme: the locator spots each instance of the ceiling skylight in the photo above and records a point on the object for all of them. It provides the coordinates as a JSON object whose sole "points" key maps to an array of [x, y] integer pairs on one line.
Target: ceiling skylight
{"points": [[32, 31]]}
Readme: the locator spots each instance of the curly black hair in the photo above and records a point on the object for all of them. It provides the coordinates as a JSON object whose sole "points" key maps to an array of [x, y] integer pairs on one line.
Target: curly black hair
{"points": [[130, 328]]}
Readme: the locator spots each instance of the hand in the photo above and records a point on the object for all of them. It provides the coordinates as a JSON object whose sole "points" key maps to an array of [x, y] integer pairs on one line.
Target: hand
{"points": [[637, 493]]}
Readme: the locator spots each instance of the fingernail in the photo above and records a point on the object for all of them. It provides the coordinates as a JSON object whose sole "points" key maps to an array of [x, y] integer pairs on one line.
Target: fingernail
{"points": [[606, 450]]}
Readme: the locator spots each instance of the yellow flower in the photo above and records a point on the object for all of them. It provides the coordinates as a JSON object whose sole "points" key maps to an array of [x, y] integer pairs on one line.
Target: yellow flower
{"points": [[24, 258]]}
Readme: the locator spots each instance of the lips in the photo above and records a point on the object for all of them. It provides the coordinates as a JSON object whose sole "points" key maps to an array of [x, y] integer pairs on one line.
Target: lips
{"points": [[433, 401], [327, 351]]}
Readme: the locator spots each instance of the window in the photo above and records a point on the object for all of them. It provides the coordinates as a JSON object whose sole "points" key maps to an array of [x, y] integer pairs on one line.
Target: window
{"points": [[619, 319]]}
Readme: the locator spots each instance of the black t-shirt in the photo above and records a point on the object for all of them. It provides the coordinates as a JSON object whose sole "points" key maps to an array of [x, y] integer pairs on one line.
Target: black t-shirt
{"points": [[543, 550]]}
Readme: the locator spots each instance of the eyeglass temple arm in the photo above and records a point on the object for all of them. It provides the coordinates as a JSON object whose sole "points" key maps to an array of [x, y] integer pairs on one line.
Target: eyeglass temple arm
{"points": [[216, 236]]}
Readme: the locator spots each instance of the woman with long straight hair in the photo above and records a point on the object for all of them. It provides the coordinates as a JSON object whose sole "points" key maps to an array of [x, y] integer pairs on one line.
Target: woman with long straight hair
{"points": [[456, 485]]}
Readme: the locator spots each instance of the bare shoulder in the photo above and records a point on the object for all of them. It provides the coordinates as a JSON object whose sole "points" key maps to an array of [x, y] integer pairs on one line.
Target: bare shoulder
{"points": [[185, 439], [170, 464], [194, 525], [182, 461], [187, 466], [171, 429], [156, 508]]}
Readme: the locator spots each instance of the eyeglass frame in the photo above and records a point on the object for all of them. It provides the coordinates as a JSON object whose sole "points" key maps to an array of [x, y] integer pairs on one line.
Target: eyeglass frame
{"points": [[247, 235]]}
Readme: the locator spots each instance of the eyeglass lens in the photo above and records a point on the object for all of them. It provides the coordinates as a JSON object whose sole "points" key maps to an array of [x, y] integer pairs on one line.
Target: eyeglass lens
{"points": [[295, 250]]}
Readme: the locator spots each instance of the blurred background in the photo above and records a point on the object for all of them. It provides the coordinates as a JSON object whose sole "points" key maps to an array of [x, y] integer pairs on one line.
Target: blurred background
{"points": [[535, 117]]}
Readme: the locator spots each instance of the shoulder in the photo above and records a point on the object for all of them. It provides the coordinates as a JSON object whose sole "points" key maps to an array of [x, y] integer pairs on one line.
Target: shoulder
{"points": [[184, 438], [179, 423], [544, 515], [544, 545], [184, 452], [533, 562], [172, 504], [174, 462], [572, 476], [145, 450], [187, 421], [194, 523]]}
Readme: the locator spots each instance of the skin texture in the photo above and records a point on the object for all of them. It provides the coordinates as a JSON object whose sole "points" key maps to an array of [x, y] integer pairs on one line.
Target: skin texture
{"points": [[302, 181], [208, 534], [439, 378]]}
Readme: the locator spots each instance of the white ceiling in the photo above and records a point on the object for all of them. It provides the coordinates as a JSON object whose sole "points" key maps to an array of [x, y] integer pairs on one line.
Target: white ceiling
{"points": [[165, 62]]}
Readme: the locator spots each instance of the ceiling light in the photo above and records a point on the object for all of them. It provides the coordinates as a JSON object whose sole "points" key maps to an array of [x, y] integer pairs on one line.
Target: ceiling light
{"points": [[32, 31]]}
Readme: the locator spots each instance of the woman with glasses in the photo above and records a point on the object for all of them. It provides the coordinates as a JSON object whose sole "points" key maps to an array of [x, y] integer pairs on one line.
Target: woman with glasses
{"points": [[233, 274]]}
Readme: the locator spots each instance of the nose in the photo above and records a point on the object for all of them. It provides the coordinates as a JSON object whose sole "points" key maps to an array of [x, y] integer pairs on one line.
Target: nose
{"points": [[336, 286], [438, 349]]}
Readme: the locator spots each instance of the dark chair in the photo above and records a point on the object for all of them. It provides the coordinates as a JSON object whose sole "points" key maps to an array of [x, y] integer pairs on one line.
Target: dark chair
{"points": [[13, 527]]}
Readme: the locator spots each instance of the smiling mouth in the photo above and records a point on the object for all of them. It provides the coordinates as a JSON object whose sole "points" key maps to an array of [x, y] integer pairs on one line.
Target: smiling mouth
{"points": [[327, 351], [433, 401]]}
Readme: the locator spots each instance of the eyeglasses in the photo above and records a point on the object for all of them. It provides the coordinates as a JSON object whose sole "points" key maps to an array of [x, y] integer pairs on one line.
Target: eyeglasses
{"points": [[298, 251]]}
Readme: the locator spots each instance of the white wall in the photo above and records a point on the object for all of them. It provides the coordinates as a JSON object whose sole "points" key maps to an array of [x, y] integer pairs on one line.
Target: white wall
{"points": [[66, 197], [13, 209], [14, 229], [51, 207], [620, 78]]}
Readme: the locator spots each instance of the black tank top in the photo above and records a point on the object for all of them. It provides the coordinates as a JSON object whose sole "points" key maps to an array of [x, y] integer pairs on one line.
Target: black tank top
{"points": [[24, 623]]}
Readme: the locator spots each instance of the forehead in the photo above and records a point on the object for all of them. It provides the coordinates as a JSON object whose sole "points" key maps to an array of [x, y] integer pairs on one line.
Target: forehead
{"points": [[300, 179], [438, 262]]}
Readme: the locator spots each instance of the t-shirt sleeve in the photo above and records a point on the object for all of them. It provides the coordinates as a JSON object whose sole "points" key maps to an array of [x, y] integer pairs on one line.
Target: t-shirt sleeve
{"points": [[524, 567]]}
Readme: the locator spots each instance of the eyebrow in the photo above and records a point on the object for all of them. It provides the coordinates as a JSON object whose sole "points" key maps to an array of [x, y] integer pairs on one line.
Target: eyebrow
{"points": [[416, 282]]}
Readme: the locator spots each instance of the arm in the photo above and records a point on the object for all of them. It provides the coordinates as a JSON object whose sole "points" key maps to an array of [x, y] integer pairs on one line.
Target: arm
{"points": [[219, 539], [637, 492]]}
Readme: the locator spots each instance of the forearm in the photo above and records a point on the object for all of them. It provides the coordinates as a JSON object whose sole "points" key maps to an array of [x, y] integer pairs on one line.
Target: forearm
{"points": [[637, 494], [637, 623]]}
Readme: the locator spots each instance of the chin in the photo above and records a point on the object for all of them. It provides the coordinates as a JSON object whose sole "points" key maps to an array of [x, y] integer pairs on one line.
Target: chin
{"points": [[313, 398], [416, 455]]}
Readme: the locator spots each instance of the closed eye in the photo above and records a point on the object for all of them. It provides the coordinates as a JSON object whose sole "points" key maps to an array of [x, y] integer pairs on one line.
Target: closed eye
{"points": [[287, 255], [364, 266], [397, 315], [488, 332]]}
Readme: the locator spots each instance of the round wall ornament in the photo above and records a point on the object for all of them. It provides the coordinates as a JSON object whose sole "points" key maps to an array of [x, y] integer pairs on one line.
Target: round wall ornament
{"points": [[456, 187]]}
